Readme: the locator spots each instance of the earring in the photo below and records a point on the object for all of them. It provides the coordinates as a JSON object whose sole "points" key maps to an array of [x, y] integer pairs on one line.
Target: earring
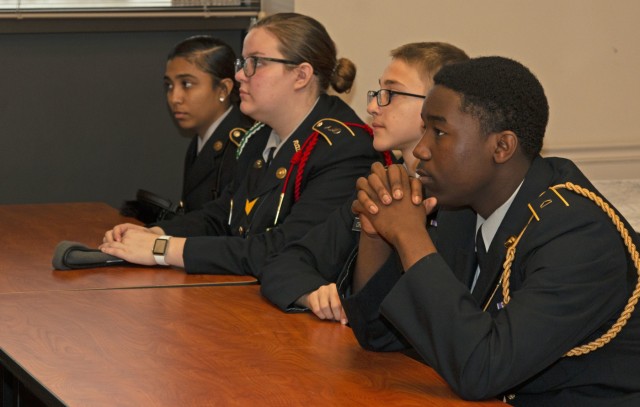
{"points": [[222, 98]]}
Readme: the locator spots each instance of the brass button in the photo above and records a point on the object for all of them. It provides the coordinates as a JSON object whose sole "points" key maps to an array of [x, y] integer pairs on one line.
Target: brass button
{"points": [[217, 145], [258, 164], [236, 133], [241, 230], [281, 173]]}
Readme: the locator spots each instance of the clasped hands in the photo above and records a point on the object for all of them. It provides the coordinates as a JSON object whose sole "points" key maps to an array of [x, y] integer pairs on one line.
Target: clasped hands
{"points": [[390, 204]]}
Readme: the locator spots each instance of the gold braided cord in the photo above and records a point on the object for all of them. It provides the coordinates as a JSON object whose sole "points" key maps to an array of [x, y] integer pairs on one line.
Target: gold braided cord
{"points": [[631, 247]]}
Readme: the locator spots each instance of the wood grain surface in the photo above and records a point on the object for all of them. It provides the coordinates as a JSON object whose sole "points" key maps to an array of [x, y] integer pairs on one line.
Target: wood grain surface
{"points": [[202, 346], [30, 233]]}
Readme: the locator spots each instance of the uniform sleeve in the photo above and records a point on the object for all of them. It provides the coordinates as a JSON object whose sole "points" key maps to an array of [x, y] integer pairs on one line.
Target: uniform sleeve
{"points": [[210, 220], [573, 283], [311, 262], [372, 330], [329, 180]]}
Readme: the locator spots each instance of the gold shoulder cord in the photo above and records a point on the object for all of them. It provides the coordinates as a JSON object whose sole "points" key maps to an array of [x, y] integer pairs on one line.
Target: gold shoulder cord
{"points": [[631, 247]]}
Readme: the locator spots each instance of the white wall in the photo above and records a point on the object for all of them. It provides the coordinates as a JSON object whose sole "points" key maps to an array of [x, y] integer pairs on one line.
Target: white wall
{"points": [[586, 53]]}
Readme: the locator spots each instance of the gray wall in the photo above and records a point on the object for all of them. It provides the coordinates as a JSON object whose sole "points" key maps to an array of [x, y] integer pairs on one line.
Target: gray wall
{"points": [[83, 116]]}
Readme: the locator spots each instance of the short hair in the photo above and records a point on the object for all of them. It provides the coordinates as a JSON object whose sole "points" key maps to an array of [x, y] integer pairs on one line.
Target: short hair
{"points": [[429, 57], [504, 95], [304, 39], [212, 56]]}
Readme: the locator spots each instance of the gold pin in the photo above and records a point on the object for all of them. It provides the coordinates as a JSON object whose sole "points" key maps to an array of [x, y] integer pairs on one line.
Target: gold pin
{"points": [[236, 133], [258, 164], [248, 205], [545, 203], [333, 130], [281, 173], [217, 145]]}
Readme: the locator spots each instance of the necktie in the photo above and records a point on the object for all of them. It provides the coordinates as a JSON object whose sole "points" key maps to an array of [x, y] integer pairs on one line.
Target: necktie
{"points": [[481, 251], [269, 156]]}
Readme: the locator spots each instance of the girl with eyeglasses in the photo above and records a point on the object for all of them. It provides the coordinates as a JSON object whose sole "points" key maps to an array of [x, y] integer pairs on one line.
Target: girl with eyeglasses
{"points": [[302, 277], [296, 165]]}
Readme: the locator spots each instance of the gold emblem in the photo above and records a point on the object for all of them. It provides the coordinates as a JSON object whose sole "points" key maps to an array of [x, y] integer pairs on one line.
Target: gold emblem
{"points": [[258, 164], [545, 203], [334, 130], [281, 173], [248, 205], [217, 145]]}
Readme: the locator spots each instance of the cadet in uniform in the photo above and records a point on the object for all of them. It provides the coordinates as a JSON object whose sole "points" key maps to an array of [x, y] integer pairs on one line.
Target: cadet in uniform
{"points": [[303, 275], [295, 166], [203, 98], [545, 317]]}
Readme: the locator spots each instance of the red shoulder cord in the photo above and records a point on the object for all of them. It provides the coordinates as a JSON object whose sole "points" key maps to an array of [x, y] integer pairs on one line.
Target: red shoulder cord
{"points": [[301, 157]]}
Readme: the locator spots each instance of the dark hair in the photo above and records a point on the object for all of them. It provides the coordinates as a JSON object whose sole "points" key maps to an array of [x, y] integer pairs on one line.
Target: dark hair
{"points": [[429, 57], [303, 39], [504, 95], [212, 56]]}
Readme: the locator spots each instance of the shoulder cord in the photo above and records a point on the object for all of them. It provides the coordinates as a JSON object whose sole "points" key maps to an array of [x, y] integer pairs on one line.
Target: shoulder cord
{"points": [[624, 233], [253, 130], [300, 159]]}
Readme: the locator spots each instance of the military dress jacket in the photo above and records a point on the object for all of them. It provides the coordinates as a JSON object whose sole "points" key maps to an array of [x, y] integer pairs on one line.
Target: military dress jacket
{"points": [[208, 173], [267, 207], [311, 262], [570, 279]]}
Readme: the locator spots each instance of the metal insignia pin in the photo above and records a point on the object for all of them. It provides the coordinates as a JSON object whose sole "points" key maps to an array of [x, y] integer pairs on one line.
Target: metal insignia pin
{"points": [[281, 173]]}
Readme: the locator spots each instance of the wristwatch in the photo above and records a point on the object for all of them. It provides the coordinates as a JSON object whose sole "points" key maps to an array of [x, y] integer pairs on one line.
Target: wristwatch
{"points": [[160, 249]]}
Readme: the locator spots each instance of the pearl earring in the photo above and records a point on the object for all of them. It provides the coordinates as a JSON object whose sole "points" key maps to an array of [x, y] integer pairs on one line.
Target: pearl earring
{"points": [[222, 99]]}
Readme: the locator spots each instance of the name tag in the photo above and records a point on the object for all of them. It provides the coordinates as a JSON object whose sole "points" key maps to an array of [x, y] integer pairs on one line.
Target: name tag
{"points": [[356, 225]]}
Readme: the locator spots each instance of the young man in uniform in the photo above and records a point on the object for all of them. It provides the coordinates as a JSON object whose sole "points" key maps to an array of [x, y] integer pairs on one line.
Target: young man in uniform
{"points": [[536, 319]]}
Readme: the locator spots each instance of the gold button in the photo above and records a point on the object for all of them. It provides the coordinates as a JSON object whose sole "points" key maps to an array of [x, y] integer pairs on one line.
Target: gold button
{"points": [[236, 133], [241, 230], [319, 124], [281, 173], [258, 164], [217, 145]]}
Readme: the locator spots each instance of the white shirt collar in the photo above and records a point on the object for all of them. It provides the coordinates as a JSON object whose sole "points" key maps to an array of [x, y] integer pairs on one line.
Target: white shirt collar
{"points": [[492, 223]]}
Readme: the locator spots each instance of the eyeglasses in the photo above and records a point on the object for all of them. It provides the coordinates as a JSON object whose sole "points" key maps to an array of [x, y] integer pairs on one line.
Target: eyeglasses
{"points": [[383, 96], [249, 64]]}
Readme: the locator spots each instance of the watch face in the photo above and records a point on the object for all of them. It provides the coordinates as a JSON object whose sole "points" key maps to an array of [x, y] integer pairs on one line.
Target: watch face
{"points": [[160, 246]]}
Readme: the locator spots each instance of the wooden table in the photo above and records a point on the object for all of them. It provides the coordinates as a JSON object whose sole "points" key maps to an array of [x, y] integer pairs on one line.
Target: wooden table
{"points": [[30, 234], [199, 346], [153, 336]]}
